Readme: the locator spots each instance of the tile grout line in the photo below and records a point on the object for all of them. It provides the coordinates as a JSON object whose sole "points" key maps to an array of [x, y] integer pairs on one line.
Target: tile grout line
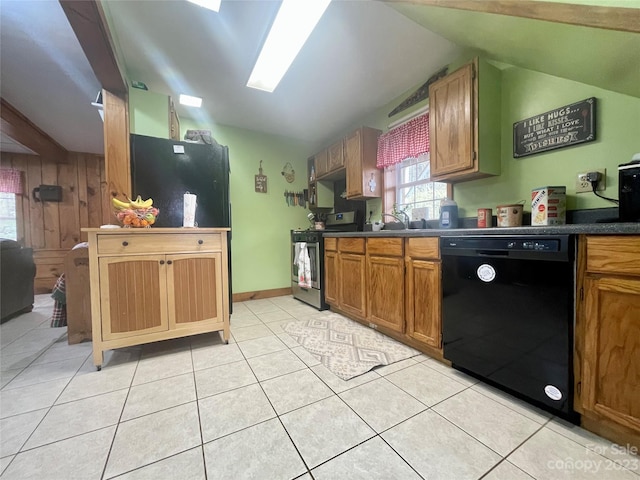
{"points": [[195, 387], [278, 417], [45, 415], [115, 433]]}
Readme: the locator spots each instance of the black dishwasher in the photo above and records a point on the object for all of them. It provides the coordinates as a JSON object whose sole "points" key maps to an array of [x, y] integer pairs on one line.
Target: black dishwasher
{"points": [[507, 314]]}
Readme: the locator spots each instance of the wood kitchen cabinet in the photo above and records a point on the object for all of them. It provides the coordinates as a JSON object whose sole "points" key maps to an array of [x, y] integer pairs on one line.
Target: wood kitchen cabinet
{"points": [[156, 284], [385, 283], [424, 291], [390, 283], [360, 152], [336, 156], [322, 162], [320, 192], [464, 123], [331, 269], [607, 358], [352, 276]]}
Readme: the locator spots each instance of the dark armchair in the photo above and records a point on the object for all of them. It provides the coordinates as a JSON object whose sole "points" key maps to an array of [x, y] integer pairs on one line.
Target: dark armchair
{"points": [[17, 273]]}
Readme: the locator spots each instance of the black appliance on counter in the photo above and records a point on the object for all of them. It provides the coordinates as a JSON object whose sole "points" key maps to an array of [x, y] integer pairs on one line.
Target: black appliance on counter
{"points": [[629, 190], [312, 242], [508, 314], [165, 170]]}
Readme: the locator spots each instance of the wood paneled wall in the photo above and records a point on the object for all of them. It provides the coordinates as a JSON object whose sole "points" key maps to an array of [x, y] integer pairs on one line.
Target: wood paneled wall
{"points": [[53, 228]]}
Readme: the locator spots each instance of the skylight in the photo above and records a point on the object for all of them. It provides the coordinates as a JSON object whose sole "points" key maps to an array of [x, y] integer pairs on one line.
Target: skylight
{"points": [[210, 4], [190, 101], [294, 23]]}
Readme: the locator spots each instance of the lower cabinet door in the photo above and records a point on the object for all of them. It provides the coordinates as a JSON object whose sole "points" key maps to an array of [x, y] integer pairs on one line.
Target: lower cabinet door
{"points": [[331, 277], [424, 302], [196, 283], [134, 295], [385, 277], [352, 284], [610, 373]]}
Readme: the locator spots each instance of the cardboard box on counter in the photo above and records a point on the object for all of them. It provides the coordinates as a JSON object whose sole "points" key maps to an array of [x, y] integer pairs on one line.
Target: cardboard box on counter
{"points": [[549, 205]]}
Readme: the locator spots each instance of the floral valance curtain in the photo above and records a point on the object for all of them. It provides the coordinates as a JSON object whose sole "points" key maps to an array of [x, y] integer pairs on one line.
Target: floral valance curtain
{"points": [[407, 140], [11, 181]]}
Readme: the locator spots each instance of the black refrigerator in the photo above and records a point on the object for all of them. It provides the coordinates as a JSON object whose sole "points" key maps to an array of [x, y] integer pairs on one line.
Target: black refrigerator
{"points": [[165, 170]]}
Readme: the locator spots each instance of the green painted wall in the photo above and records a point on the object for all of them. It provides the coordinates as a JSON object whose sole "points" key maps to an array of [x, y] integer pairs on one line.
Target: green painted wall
{"points": [[261, 223], [526, 93], [148, 113]]}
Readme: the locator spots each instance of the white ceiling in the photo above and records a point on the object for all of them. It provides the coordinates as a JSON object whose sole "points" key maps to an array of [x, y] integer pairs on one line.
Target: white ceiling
{"points": [[361, 55], [45, 75]]}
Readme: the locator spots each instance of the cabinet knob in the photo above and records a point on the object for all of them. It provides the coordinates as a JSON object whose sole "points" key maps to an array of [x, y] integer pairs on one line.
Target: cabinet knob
{"points": [[161, 262], [125, 243], [200, 242], [169, 262]]}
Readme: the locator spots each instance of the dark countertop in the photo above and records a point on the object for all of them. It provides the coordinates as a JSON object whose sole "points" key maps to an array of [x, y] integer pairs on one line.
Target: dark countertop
{"points": [[630, 228]]}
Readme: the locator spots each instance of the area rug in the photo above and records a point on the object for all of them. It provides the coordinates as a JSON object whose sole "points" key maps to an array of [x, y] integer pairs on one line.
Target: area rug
{"points": [[345, 347]]}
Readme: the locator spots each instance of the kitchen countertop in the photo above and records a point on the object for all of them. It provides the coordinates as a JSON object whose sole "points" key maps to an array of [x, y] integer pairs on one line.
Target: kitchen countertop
{"points": [[629, 228]]}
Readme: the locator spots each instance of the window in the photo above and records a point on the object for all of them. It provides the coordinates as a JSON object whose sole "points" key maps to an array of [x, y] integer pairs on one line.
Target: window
{"points": [[8, 225], [415, 194]]}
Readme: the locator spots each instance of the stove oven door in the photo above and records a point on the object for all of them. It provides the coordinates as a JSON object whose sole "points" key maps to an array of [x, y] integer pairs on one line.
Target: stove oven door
{"points": [[294, 263], [315, 257]]}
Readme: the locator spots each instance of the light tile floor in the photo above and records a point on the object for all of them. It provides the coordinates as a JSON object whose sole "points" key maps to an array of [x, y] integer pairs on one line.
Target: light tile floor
{"points": [[263, 408]]}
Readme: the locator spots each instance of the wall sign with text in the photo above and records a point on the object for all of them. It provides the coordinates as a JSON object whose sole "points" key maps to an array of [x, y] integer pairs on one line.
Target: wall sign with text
{"points": [[562, 127]]}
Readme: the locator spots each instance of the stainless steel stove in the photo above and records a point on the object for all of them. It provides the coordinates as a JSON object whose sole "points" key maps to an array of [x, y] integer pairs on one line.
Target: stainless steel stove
{"points": [[307, 258]]}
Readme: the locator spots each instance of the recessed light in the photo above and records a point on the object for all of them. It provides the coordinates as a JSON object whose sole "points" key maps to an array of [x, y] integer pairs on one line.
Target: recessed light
{"points": [[294, 23], [209, 4], [190, 101]]}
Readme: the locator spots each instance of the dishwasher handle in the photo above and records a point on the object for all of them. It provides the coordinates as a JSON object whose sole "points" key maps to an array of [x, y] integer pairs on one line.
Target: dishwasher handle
{"points": [[492, 253]]}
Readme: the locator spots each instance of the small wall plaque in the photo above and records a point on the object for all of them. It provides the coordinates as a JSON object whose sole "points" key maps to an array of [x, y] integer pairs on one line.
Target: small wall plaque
{"points": [[261, 181], [561, 127]]}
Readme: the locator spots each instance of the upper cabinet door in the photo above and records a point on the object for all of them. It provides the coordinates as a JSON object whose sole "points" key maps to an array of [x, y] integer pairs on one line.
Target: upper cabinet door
{"points": [[322, 163], [451, 122], [353, 161], [364, 180], [336, 156]]}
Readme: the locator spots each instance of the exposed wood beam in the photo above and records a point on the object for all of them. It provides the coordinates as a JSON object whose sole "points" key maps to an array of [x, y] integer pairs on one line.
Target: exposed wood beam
{"points": [[15, 125], [90, 26], [611, 18]]}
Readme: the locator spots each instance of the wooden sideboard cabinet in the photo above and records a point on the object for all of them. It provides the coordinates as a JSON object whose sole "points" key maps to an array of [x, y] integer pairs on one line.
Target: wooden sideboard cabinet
{"points": [[156, 284], [607, 360]]}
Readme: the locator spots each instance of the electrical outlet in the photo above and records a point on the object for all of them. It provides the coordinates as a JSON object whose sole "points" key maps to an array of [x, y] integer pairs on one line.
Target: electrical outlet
{"points": [[584, 186]]}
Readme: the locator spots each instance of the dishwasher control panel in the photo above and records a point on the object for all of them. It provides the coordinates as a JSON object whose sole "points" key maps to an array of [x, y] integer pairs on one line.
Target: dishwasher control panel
{"points": [[552, 247], [542, 245]]}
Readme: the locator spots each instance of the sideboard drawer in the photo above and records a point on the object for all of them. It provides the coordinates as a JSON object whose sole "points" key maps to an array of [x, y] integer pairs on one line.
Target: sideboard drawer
{"points": [[157, 243]]}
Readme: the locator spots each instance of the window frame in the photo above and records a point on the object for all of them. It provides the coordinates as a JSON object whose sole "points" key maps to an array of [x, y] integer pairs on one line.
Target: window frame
{"points": [[17, 216], [390, 196]]}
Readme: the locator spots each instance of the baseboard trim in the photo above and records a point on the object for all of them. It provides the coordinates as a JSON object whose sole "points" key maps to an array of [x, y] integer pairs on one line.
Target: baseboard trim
{"points": [[276, 292]]}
